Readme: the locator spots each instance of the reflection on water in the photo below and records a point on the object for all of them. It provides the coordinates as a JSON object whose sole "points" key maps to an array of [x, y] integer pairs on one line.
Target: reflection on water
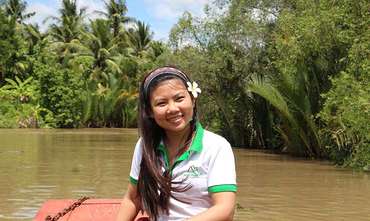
{"points": [[36, 165]]}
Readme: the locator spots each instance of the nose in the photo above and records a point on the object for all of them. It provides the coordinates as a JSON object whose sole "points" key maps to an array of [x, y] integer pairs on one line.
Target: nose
{"points": [[172, 107]]}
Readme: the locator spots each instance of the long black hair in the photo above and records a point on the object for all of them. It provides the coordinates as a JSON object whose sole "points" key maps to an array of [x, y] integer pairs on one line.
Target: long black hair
{"points": [[154, 186]]}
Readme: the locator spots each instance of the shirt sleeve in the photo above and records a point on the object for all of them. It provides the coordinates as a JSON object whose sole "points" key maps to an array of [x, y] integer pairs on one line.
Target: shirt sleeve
{"points": [[136, 161], [221, 173]]}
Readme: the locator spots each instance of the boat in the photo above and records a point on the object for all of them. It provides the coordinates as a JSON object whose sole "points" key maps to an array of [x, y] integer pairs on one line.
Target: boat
{"points": [[83, 209]]}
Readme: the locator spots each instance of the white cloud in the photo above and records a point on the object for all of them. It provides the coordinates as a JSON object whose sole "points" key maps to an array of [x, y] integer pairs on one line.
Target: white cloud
{"points": [[172, 9], [42, 11], [91, 6], [51, 7], [161, 34], [163, 13]]}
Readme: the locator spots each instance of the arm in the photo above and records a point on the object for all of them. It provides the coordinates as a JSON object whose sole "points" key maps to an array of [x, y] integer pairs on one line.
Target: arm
{"points": [[221, 210], [221, 185], [130, 205]]}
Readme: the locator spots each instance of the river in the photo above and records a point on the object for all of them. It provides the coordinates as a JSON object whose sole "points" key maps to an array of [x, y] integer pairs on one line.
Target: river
{"points": [[41, 164]]}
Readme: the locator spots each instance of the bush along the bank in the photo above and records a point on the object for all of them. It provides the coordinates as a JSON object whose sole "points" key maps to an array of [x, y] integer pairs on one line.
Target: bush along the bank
{"points": [[20, 107], [346, 116], [346, 112], [61, 93]]}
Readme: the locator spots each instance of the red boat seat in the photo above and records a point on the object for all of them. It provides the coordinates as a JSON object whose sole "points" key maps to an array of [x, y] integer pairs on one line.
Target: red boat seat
{"points": [[89, 210]]}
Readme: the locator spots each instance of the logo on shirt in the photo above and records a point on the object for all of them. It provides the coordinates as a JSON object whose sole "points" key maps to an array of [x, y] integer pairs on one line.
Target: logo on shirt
{"points": [[193, 171]]}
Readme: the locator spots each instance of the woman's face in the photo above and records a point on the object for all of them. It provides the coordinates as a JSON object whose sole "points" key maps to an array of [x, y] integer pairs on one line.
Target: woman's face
{"points": [[172, 106]]}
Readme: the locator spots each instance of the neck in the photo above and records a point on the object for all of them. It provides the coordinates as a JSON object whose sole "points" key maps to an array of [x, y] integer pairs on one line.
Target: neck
{"points": [[176, 139]]}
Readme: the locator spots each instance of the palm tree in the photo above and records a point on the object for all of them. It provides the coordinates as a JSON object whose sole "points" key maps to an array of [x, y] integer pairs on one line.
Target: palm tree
{"points": [[140, 37], [156, 49], [288, 96], [33, 37], [109, 99], [116, 11], [114, 104], [100, 47], [67, 30], [12, 57], [68, 26], [16, 9]]}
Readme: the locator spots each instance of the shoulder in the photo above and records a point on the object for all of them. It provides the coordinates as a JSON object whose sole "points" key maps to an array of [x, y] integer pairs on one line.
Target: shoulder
{"points": [[139, 141], [138, 148], [214, 141]]}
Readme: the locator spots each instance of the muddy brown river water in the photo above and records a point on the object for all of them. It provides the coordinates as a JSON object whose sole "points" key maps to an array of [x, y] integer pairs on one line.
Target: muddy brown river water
{"points": [[36, 165]]}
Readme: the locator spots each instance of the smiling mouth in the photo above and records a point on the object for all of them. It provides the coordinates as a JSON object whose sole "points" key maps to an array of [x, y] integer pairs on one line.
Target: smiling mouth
{"points": [[174, 119]]}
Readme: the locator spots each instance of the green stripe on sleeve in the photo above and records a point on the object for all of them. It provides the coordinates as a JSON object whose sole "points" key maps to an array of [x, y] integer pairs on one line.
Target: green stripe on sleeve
{"points": [[133, 181], [222, 188]]}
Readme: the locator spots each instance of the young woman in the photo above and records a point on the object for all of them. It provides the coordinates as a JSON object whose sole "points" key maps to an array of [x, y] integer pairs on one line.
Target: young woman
{"points": [[179, 170]]}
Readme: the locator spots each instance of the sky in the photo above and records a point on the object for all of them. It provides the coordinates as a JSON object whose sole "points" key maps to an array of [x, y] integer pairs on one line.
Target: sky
{"points": [[161, 15]]}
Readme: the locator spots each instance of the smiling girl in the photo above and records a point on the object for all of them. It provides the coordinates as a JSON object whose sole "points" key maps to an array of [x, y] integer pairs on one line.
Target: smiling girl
{"points": [[179, 170]]}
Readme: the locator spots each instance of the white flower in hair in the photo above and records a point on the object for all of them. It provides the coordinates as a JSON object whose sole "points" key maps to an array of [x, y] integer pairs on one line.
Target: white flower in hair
{"points": [[193, 88]]}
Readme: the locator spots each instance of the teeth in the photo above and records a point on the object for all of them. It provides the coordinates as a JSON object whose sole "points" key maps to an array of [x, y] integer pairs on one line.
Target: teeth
{"points": [[176, 118]]}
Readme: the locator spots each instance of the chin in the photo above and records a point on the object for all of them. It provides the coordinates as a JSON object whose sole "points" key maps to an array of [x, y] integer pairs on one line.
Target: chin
{"points": [[176, 128]]}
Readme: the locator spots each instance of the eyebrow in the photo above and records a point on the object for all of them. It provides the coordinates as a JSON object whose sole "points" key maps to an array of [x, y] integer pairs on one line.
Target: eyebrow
{"points": [[179, 94]]}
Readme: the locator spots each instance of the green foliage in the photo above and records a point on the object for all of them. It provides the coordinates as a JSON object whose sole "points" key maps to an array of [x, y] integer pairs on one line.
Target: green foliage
{"points": [[116, 11], [14, 98], [347, 118], [8, 113], [346, 113], [264, 64], [19, 105], [18, 89], [7, 27], [140, 37], [223, 62], [113, 105], [297, 129], [12, 59], [60, 91], [17, 9], [266, 68], [78, 83]]}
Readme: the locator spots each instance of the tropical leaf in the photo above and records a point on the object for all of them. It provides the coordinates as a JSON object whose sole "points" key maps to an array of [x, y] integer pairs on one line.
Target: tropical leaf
{"points": [[299, 132], [271, 94]]}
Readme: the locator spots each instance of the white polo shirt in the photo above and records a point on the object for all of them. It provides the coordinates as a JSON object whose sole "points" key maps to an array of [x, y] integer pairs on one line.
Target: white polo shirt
{"points": [[208, 166]]}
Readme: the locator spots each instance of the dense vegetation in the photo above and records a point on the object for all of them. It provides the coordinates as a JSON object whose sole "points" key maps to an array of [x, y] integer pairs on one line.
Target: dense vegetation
{"points": [[288, 76]]}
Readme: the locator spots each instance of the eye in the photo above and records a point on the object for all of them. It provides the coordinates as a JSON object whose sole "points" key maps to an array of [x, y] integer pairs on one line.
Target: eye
{"points": [[161, 104], [180, 98]]}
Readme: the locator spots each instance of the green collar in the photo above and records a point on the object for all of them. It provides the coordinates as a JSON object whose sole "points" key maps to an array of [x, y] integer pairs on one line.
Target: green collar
{"points": [[196, 146]]}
